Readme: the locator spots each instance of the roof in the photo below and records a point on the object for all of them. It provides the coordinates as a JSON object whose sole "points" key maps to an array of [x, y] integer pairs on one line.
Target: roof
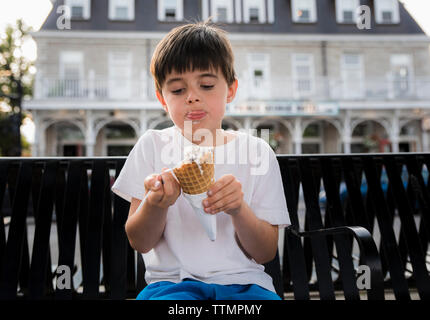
{"points": [[146, 20]]}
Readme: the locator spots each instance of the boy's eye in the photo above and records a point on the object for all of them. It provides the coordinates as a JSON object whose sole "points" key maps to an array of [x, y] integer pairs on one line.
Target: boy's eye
{"points": [[207, 87], [178, 91]]}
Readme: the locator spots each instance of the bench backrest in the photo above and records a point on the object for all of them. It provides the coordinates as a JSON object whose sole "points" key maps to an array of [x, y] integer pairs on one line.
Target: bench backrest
{"points": [[395, 211], [388, 194]]}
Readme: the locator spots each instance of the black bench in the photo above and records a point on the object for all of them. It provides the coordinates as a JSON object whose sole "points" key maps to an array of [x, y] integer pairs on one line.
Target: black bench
{"points": [[78, 191]]}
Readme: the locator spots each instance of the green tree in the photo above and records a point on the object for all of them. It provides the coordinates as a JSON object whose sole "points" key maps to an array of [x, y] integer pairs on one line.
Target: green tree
{"points": [[16, 82]]}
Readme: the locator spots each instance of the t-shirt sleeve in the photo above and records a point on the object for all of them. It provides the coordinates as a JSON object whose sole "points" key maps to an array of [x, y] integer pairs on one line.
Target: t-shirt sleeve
{"points": [[268, 198], [139, 164]]}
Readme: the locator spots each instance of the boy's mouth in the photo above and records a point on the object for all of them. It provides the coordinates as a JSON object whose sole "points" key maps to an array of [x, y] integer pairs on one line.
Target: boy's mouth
{"points": [[195, 115]]}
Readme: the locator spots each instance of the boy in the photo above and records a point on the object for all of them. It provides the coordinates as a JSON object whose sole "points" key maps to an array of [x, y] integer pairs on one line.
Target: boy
{"points": [[194, 77]]}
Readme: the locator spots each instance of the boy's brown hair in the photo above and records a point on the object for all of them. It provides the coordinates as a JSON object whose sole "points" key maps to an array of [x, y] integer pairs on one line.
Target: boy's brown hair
{"points": [[201, 46]]}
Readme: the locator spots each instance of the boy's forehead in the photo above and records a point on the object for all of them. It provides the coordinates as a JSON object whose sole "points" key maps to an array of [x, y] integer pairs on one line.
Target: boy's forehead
{"points": [[196, 73]]}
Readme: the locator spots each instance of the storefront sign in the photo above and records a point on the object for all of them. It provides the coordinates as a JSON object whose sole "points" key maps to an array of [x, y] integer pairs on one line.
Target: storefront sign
{"points": [[282, 108]]}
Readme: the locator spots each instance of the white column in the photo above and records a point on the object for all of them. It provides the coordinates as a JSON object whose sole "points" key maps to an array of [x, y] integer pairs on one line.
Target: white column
{"points": [[395, 130], [424, 141], [90, 139], [247, 124], [42, 138], [346, 135], [297, 135], [35, 146], [42, 145]]}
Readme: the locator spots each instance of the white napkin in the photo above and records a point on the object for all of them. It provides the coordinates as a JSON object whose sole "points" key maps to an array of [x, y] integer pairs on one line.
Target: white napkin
{"points": [[207, 220]]}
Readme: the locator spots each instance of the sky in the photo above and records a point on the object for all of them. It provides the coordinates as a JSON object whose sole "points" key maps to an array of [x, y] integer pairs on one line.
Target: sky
{"points": [[34, 13]]}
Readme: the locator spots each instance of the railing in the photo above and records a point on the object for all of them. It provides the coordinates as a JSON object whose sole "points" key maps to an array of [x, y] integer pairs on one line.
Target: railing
{"points": [[74, 194], [95, 89], [275, 88]]}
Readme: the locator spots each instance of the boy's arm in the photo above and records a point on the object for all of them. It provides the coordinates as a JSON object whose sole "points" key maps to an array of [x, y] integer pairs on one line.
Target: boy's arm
{"points": [[145, 228], [258, 238]]}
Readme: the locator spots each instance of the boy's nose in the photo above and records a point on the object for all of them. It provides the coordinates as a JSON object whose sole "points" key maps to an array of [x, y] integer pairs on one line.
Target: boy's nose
{"points": [[192, 97]]}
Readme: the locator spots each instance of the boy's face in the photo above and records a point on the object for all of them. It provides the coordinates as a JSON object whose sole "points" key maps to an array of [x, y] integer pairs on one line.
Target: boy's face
{"points": [[199, 96]]}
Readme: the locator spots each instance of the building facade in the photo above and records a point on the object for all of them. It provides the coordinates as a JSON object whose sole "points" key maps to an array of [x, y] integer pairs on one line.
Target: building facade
{"points": [[325, 76]]}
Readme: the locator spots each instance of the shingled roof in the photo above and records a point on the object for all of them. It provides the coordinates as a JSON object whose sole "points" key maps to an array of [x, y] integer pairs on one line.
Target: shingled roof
{"points": [[146, 20]]}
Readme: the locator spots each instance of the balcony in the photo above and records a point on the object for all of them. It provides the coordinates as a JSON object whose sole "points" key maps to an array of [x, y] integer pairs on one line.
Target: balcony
{"points": [[336, 89], [99, 89], [276, 89]]}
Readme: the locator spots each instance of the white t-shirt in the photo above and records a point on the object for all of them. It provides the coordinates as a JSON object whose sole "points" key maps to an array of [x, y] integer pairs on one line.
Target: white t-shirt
{"points": [[184, 250]]}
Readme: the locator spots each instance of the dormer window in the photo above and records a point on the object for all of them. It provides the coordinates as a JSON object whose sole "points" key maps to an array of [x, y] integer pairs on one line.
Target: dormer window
{"points": [[304, 11], [121, 9], [387, 11], [222, 14], [170, 10], [253, 15], [79, 9], [254, 11], [239, 11], [346, 11], [222, 10]]}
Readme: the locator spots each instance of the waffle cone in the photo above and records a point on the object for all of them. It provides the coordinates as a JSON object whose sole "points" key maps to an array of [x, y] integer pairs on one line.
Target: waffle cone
{"points": [[192, 179]]}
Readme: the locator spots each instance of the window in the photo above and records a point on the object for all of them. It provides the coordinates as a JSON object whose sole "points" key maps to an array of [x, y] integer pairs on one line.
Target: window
{"points": [[170, 10], [259, 69], [346, 11], [222, 14], [121, 9], [253, 15], [401, 75], [222, 10], [304, 11], [71, 74], [246, 11], [303, 74], [387, 11], [79, 9], [254, 11], [120, 70], [352, 76]]}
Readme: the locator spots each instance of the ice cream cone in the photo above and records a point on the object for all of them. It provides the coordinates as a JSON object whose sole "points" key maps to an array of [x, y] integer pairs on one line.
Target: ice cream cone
{"points": [[196, 175]]}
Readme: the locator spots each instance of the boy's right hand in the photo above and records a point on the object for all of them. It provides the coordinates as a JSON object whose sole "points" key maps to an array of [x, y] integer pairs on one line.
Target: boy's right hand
{"points": [[165, 189]]}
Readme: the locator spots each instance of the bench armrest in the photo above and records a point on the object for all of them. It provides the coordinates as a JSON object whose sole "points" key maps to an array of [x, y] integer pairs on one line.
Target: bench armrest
{"points": [[368, 250]]}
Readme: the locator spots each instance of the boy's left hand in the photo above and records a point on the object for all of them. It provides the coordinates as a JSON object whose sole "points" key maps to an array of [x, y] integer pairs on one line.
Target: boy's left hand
{"points": [[224, 195]]}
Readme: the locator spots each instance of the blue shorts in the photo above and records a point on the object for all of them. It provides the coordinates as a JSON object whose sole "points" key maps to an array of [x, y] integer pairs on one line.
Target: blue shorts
{"points": [[197, 290]]}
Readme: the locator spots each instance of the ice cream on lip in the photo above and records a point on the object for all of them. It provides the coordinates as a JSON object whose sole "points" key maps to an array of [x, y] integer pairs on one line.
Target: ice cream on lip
{"points": [[196, 115]]}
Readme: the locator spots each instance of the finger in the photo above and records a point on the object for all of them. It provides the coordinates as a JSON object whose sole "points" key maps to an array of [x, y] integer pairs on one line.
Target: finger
{"points": [[224, 204], [171, 186], [220, 183], [221, 194]]}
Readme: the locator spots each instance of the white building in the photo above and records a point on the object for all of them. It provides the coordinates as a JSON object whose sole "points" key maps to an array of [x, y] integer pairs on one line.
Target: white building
{"points": [[305, 69]]}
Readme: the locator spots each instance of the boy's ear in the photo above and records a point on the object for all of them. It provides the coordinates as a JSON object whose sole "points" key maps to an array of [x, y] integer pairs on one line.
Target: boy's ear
{"points": [[161, 99], [232, 91]]}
